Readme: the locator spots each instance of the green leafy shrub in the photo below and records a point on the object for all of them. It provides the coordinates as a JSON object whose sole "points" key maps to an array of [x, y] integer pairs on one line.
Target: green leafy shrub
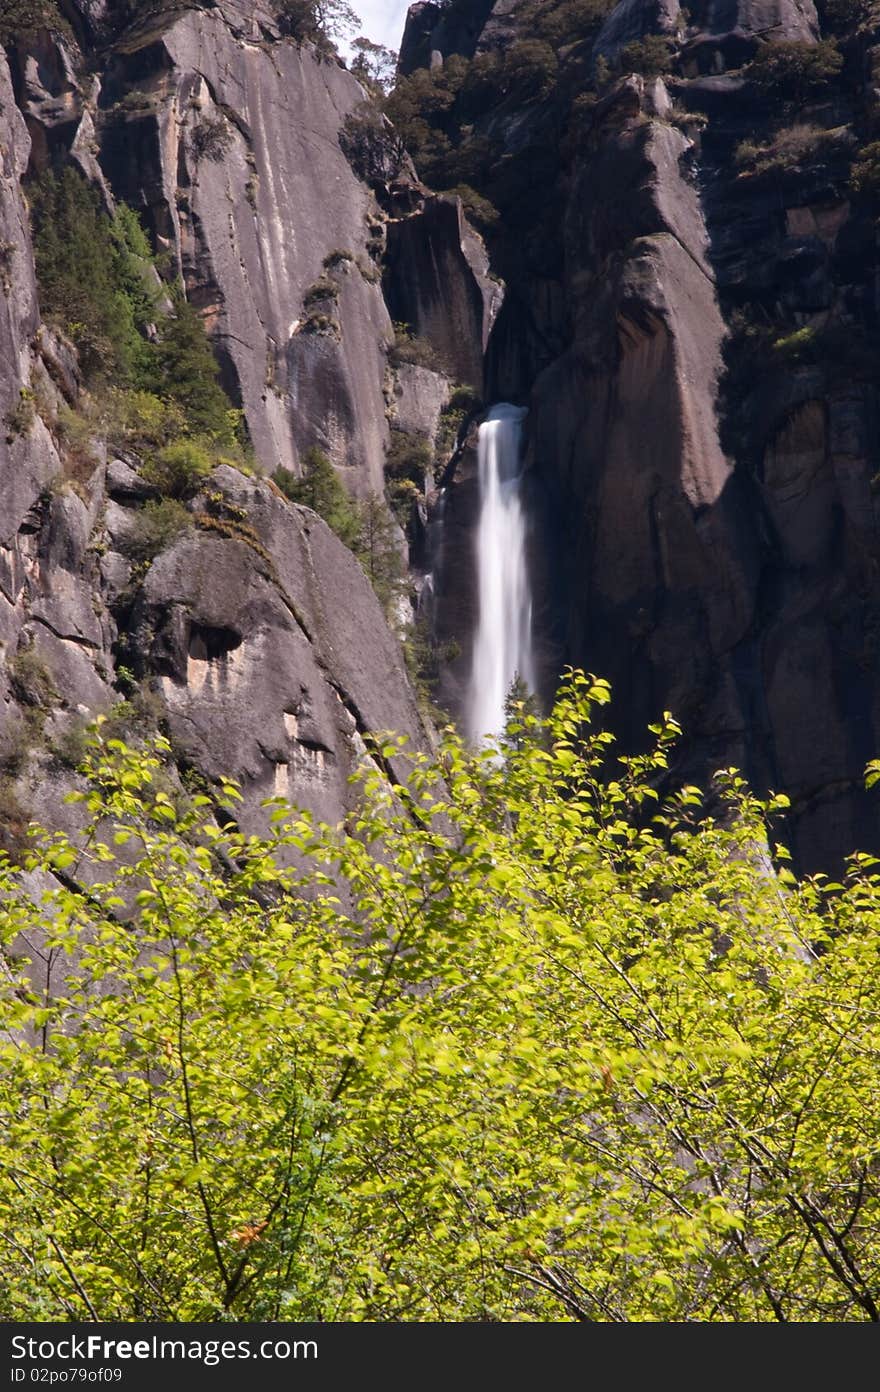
{"points": [[70, 747], [75, 433], [403, 495], [566, 21], [463, 399], [865, 172], [188, 375], [373, 147], [522, 1040], [842, 16], [650, 56], [796, 346], [793, 69], [424, 659], [323, 289], [22, 735], [408, 347], [337, 259], [366, 528], [317, 322], [14, 822], [480, 210], [317, 21], [22, 18], [31, 680], [409, 456], [97, 282], [138, 419], [157, 525], [211, 139], [683, 118], [22, 415], [789, 148], [179, 468], [377, 545], [375, 66], [531, 67], [84, 275], [463, 403], [7, 261], [135, 718]]}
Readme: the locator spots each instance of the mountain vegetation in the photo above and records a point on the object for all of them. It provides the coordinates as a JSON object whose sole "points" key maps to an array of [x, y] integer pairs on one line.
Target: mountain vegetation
{"points": [[536, 1031], [98, 284], [521, 1040]]}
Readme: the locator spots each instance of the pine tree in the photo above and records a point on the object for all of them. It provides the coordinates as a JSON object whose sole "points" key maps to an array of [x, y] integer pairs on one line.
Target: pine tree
{"points": [[522, 712], [85, 273], [321, 489], [378, 550], [188, 373]]}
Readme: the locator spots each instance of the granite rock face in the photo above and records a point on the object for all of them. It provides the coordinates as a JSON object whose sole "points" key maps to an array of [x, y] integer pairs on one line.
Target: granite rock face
{"points": [[55, 632], [437, 282], [239, 172], [692, 326], [435, 30], [272, 658], [228, 141], [255, 637], [694, 331]]}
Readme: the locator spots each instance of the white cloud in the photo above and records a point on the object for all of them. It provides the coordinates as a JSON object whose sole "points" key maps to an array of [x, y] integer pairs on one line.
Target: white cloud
{"points": [[382, 20]]}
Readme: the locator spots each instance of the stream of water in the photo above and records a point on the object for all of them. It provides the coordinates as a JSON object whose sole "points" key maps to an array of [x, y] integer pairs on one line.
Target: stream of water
{"points": [[503, 640]]}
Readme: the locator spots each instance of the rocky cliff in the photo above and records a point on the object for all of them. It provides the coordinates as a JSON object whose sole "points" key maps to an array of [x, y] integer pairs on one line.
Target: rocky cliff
{"points": [[249, 633], [682, 207], [687, 204]]}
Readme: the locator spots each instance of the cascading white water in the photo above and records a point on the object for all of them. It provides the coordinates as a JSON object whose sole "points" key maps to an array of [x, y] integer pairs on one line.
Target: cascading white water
{"points": [[503, 641]]}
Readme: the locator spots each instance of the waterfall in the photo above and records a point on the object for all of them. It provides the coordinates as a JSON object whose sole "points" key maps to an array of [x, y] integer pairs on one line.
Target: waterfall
{"points": [[503, 641]]}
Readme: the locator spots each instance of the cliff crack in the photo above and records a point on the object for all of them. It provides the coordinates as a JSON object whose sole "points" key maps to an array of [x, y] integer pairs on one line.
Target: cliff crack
{"points": [[687, 251], [66, 637]]}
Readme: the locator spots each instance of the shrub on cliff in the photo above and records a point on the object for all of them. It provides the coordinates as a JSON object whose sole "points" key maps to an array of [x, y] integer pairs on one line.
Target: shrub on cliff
{"points": [[411, 348], [21, 18], [366, 528], [517, 1041], [321, 22], [178, 468], [865, 173], [650, 56], [531, 68], [372, 146], [139, 420], [480, 211], [155, 527], [565, 21], [321, 489], [374, 66], [408, 464], [97, 281], [794, 70], [842, 16], [409, 457], [789, 148]]}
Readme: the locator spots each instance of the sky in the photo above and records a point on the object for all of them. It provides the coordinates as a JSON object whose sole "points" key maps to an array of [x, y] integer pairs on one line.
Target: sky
{"points": [[382, 19]]}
